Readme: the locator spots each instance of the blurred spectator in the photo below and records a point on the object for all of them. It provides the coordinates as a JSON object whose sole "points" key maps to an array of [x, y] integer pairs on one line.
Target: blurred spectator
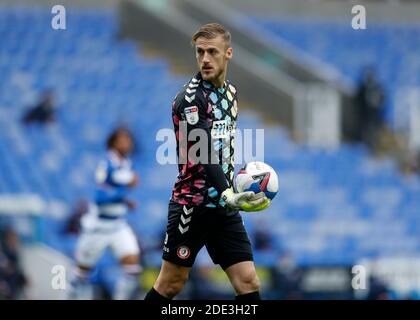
{"points": [[12, 279], [263, 239], [287, 278], [73, 224], [201, 284], [4, 266], [370, 100], [43, 112], [412, 162], [377, 289]]}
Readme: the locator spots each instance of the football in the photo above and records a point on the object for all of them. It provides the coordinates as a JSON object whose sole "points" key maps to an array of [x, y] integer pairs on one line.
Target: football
{"points": [[257, 176]]}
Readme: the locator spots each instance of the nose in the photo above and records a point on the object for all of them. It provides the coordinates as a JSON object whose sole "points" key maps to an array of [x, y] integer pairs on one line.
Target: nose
{"points": [[206, 57]]}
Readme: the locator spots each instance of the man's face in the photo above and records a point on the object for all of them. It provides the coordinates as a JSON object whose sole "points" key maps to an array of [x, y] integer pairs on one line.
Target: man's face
{"points": [[212, 57], [123, 143]]}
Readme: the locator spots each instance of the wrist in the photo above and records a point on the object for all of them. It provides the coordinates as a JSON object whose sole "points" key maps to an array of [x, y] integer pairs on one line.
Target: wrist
{"points": [[226, 194]]}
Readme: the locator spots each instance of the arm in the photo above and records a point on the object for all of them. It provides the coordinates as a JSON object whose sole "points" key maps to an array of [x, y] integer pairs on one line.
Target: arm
{"points": [[113, 184]]}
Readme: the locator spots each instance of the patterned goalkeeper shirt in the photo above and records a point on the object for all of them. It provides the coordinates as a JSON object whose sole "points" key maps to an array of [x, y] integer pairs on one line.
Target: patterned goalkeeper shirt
{"points": [[200, 105]]}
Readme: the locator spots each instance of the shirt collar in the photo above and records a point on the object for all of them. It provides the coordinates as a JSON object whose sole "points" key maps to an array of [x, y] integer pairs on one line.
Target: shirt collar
{"points": [[210, 85]]}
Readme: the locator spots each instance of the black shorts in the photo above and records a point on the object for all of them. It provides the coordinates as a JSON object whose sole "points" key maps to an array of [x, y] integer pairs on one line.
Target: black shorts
{"points": [[191, 227]]}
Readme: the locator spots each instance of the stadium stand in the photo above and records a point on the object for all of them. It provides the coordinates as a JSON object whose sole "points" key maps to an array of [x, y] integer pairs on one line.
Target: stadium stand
{"points": [[391, 49], [330, 201]]}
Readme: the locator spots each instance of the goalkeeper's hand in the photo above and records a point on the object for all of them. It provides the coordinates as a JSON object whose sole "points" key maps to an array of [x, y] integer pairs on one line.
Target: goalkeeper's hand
{"points": [[247, 201], [258, 202]]}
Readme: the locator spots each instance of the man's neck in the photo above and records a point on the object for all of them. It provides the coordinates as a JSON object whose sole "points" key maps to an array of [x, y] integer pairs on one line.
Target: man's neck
{"points": [[219, 82]]}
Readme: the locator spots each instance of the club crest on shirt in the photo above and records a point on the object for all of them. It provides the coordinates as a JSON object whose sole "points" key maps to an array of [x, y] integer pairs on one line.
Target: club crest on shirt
{"points": [[191, 115], [183, 252]]}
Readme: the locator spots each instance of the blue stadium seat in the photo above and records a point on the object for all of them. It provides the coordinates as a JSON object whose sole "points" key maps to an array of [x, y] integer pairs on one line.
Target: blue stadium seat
{"points": [[390, 48]]}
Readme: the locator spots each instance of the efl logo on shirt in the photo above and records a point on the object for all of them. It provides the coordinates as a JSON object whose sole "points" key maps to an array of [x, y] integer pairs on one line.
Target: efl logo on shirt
{"points": [[191, 114]]}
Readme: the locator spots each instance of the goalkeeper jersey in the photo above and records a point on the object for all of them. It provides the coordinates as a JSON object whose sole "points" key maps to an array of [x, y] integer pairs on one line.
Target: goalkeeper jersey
{"points": [[200, 105]]}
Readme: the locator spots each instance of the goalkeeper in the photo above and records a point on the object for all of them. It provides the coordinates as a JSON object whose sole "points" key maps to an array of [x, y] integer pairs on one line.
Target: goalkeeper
{"points": [[204, 208]]}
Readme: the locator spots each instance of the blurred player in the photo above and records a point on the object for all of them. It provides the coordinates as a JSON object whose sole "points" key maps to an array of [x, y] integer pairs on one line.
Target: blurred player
{"points": [[204, 208], [105, 227]]}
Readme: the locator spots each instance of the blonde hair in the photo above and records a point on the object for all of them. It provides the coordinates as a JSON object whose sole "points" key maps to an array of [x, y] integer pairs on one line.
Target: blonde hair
{"points": [[211, 31]]}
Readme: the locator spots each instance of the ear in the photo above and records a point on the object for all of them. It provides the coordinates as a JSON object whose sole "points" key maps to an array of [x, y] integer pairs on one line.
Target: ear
{"points": [[229, 53]]}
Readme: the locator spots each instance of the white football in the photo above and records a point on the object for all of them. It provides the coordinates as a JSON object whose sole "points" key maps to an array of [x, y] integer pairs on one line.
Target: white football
{"points": [[258, 176]]}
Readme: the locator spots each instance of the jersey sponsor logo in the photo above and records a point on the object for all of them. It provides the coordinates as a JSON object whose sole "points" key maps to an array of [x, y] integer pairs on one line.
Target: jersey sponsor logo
{"points": [[183, 252], [191, 115], [219, 129]]}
